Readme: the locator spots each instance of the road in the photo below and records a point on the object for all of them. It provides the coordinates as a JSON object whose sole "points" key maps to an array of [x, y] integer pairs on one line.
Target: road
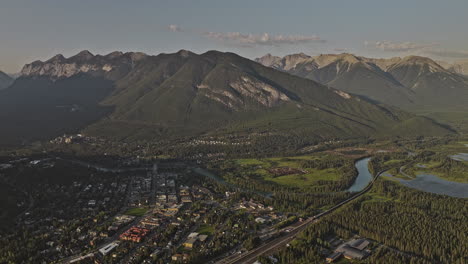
{"points": [[402, 172], [275, 244]]}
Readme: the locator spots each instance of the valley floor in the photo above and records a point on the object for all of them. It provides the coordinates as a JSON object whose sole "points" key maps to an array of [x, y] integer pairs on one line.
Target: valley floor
{"points": [[229, 209]]}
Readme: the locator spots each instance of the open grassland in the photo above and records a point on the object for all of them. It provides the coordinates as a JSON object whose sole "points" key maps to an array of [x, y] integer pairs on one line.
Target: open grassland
{"points": [[374, 197], [205, 229], [303, 177], [393, 161], [310, 178], [136, 211]]}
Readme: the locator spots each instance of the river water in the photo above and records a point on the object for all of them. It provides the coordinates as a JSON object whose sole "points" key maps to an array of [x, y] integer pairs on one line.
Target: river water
{"points": [[364, 175], [433, 184], [460, 157]]}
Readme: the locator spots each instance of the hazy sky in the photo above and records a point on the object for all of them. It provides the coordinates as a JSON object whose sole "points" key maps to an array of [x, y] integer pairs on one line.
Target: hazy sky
{"points": [[38, 29]]}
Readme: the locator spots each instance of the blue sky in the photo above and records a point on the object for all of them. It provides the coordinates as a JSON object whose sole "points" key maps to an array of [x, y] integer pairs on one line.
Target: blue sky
{"points": [[31, 30]]}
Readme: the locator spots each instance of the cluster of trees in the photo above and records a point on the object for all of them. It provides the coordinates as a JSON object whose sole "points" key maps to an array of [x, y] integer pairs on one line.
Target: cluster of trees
{"points": [[305, 200], [378, 162], [414, 227], [56, 214], [326, 163], [446, 165], [421, 143], [230, 227], [441, 164], [257, 145]]}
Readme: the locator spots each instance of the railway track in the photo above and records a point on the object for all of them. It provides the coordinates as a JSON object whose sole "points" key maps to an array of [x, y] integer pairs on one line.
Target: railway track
{"points": [[274, 245]]}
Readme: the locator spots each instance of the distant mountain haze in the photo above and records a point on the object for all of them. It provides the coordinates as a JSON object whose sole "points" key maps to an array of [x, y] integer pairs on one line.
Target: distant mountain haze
{"points": [[460, 67], [5, 80], [411, 82], [138, 96]]}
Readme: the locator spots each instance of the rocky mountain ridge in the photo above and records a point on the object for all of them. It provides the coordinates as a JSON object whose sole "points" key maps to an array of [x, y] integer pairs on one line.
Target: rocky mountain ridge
{"points": [[84, 62], [409, 82], [130, 96]]}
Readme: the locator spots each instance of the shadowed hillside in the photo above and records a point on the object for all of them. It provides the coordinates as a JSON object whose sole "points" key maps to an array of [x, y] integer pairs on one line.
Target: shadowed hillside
{"points": [[136, 96]]}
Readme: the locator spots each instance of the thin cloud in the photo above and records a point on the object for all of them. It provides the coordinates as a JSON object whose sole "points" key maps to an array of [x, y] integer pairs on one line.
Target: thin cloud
{"points": [[423, 49], [340, 50], [174, 28], [398, 46], [265, 39], [448, 53]]}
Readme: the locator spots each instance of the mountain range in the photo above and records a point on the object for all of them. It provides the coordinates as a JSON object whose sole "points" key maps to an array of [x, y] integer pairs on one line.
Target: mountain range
{"points": [[5, 80], [411, 82], [133, 96], [460, 67]]}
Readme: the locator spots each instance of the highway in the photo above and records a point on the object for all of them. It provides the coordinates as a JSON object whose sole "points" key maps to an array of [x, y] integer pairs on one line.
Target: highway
{"points": [[277, 243]]}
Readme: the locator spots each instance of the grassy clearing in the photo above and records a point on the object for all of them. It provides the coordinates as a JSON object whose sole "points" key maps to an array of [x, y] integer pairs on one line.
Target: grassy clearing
{"points": [[309, 179], [261, 168], [427, 165], [205, 229], [393, 161], [136, 211], [376, 198]]}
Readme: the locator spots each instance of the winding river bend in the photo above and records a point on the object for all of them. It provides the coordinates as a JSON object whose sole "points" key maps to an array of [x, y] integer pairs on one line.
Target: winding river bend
{"points": [[364, 175]]}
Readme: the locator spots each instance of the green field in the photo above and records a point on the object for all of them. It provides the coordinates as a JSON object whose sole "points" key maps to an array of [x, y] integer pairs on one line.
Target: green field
{"points": [[374, 197], [136, 211], [308, 179], [205, 229], [261, 166], [393, 161]]}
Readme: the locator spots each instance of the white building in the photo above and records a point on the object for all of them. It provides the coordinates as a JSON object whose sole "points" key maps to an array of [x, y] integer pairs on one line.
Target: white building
{"points": [[108, 248]]}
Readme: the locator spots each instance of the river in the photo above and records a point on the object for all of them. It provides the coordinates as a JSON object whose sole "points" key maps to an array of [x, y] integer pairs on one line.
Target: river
{"points": [[460, 157], [362, 180], [364, 175]]}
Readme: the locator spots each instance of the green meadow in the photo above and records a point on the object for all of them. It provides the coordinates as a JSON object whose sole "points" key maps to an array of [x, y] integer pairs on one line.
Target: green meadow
{"points": [[136, 211], [311, 176]]}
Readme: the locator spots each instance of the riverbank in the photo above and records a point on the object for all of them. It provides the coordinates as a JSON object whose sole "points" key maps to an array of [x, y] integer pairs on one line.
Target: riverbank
{"points": [[433, 184], [364, 176]]}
